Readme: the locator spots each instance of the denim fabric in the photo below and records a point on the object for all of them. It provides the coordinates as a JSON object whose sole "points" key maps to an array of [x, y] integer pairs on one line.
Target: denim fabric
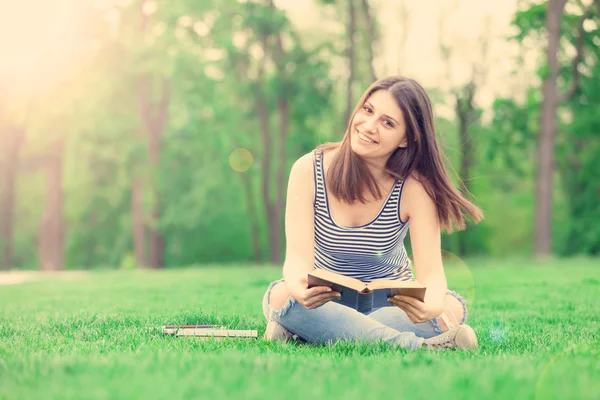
{"points": [[333, 322]]}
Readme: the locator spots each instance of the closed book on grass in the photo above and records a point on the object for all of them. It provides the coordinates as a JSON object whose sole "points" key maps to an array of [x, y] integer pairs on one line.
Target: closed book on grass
{"points": [[172, 329], [217, 332], [364, 297]]}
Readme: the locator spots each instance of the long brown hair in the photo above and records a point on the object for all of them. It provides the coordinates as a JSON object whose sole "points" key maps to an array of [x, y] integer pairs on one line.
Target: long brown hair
{"points": [[349, 174]]}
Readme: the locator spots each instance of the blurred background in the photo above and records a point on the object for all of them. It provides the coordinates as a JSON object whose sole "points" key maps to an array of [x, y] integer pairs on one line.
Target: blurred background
{"points": [[153, 134]]}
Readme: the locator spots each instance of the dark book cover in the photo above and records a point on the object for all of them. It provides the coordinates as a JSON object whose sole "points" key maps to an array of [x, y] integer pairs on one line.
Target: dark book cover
{"points": [[364, 302], [365, 297]]}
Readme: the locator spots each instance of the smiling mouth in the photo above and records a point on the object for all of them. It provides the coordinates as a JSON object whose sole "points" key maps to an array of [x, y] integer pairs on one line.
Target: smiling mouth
{"points": [[365, 139]]}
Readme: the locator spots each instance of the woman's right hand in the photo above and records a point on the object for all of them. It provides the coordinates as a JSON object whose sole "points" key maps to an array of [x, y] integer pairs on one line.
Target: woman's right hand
{"points": [[314, 297]]}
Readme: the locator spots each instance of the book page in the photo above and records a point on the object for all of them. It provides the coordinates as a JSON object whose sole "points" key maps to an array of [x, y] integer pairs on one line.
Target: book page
{"points": [[393, 283], [417, 293], [395, 286], [332, 277]]}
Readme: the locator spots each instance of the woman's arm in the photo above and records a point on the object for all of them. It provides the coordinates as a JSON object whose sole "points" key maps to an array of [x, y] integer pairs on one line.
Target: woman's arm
{"points": [[299, 222], [425, 239], [300, 237]]}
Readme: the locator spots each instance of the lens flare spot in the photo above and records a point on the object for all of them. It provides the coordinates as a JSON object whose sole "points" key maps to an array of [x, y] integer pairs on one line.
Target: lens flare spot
{"points": [[499, 335], [459, 276], [241, 160]]}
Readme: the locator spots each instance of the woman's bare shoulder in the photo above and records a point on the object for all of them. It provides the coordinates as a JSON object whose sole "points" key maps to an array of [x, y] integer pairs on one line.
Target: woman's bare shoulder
{"points": [[329, 153], [414, 189], [417, 204], [302, 172], [301, 179], [305, 163]]}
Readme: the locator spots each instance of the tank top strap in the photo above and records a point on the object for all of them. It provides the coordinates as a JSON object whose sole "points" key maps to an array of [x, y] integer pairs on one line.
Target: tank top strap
{"points": [[393, 203], [319, 179]]}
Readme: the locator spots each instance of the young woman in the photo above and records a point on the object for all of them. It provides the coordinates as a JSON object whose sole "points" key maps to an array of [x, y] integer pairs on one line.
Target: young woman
{"points": [[349, 206]]}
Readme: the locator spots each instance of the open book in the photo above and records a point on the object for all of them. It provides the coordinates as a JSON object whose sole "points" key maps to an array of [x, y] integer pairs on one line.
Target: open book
{"points": [[364, 297]]}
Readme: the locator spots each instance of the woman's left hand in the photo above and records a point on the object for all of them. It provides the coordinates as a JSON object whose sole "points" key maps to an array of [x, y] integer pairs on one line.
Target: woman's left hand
{"points": [[417, 310]]}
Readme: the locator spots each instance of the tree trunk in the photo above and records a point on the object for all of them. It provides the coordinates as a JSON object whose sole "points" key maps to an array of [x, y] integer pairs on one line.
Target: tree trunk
{"points": [[157, 241], [52, 227], [278, 221], [137, 213], [350, 31], [273, 225], [137, 185], [252, 217], [466, 113], [545, 168], [371, 38], [280, 187], [266, 177], [8, 179], [467, 151], [154, 118], [91, 258], [241, 67], [274, 210], [466, 117]]}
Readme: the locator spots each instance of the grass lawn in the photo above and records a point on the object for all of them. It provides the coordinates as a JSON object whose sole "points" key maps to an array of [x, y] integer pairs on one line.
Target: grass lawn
{"points": [[97, 337]]}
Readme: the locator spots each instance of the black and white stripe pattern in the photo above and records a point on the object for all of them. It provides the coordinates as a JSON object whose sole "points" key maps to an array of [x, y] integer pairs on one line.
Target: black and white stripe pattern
{"points": [[368, 252]]}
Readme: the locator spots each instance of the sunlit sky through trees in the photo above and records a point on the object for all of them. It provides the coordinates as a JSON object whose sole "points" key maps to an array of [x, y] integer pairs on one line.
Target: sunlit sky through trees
{"points": [[42, 42]]}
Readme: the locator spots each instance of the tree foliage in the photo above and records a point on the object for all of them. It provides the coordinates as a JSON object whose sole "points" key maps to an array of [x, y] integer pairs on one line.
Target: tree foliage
{"points": [[184, 118]]}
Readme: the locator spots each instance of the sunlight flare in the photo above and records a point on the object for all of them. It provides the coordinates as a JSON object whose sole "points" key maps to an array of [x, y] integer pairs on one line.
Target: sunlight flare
{"points": [[41, 43], [241, 160]]}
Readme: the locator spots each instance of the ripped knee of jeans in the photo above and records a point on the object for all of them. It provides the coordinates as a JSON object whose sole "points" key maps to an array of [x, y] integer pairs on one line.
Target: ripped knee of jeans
{"points": [[436, 323], [436, 326], [463, 302], [276, 315], [268, 311]]}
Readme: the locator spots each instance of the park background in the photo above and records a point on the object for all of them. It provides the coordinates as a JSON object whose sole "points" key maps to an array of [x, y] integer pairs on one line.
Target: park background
{"points": [[141, 134], [145, 147]]}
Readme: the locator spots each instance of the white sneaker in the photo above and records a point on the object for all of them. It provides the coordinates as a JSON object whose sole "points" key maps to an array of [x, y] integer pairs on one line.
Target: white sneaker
{"points": [[460, 337], [276, 332]]}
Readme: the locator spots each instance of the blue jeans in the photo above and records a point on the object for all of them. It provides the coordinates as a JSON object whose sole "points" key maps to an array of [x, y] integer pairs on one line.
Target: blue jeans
{"points": [[333, 322]]}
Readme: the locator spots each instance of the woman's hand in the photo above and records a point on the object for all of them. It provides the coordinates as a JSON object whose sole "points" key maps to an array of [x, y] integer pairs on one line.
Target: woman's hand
{"points": [[313, 297], [417, 310]]}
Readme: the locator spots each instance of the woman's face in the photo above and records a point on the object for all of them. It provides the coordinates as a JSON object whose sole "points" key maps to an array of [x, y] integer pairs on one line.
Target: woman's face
{"points": [[378, 127]]}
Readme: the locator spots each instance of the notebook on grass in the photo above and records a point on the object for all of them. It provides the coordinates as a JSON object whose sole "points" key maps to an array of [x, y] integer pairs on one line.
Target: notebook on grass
{"points": [[208, 331]]}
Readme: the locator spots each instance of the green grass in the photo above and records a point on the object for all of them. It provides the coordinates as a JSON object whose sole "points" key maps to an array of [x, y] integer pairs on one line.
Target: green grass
{"points": [[97, 337]]}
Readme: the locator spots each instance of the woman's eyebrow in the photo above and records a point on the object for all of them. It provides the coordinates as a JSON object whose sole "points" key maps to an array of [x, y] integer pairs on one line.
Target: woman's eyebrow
{"points": [[371, 105]]}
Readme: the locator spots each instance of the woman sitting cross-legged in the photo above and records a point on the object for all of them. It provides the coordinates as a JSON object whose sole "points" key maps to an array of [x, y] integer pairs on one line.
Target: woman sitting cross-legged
{"points": [[349, 207]]}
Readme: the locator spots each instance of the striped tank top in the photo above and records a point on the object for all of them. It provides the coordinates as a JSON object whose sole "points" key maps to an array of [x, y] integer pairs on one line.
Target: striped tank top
{"points": [[367, 252]]}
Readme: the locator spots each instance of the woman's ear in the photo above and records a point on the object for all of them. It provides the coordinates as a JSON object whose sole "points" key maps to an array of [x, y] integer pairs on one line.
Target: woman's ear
{"points": [[403, 145]]}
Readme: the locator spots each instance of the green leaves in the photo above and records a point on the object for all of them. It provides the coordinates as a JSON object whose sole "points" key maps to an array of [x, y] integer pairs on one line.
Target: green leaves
{"points": [[578, 148], [530, 21]]}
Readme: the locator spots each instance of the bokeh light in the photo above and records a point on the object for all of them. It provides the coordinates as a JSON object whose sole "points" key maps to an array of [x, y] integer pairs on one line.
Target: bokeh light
{"points": [[459, 276], [241, 160], [499, 333]]}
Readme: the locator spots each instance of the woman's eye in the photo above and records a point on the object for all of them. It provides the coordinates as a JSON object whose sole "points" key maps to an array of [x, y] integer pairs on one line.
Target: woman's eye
{"points": [[367, 109], [389, 123]]}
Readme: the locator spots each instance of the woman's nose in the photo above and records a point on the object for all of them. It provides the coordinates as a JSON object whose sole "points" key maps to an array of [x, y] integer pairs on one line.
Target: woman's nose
{"points": [[370, 124]]}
